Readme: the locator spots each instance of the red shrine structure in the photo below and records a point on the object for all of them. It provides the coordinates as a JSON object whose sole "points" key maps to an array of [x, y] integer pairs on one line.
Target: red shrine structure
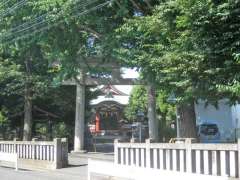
{"points": [[108, 109]]}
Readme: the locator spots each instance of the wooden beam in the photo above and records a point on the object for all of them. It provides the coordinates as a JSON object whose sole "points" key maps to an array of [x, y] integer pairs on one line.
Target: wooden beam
{"points": [[112, 81], [112, 65], [99, 63]]}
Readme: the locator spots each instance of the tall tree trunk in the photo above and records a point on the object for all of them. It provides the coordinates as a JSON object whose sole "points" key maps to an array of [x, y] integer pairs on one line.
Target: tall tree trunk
{"points": [[152, 117], [3, 132], [49, 133], [163, 124], [80, 113], [27, 129], [187, 121]]}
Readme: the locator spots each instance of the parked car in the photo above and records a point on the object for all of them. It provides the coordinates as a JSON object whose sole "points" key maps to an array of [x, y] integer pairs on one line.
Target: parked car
{"points": [[208, 133]]}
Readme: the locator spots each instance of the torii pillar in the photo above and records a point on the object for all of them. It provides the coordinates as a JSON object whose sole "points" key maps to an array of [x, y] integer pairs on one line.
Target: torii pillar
{"points": [[80, 114]]}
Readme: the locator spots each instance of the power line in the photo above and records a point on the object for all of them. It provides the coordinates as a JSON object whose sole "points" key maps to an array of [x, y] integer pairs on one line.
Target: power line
{"points": [[41, 17], [34, 23], [57, 23], [4, 3], [28, 23], [12, 8]]}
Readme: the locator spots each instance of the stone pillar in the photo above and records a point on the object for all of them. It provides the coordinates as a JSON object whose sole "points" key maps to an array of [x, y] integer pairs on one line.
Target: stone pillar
{"points": [[152, 118], [57, 153], [97, 125], [64, 152], [80, 114]]}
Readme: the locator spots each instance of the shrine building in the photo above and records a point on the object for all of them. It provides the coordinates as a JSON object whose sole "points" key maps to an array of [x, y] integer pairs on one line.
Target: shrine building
{"points": [[108, 108]]}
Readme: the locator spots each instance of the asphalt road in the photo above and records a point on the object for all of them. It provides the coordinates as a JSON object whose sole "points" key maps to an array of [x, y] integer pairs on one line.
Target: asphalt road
{"points": [[77, 170]]}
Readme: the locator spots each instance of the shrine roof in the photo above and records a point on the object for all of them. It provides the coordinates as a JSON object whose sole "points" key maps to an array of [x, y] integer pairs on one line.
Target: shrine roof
{"points": [[105, 90], [119, 94], [119, 99]]}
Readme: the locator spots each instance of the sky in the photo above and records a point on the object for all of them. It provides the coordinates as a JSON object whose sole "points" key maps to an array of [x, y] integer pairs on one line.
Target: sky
{"points": [[127, 73]]}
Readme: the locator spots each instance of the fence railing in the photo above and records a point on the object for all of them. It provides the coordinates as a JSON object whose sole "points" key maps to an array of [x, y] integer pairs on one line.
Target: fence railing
{"points": [[45, 154], [208, 159]]}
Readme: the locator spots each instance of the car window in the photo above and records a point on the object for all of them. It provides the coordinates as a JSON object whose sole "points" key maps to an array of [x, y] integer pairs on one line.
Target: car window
{"points": [[209, 129]]}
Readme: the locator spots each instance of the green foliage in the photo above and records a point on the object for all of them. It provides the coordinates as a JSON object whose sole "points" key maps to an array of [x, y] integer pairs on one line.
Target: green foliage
{"points": [[32, 58], [10, 77], [61, 130], [186, 47], [189, 47], [137, 102], [165, 111], [41, 130], [3, 118], [4, 122]]}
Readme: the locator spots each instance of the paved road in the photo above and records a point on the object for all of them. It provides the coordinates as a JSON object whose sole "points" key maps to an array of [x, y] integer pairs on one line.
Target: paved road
{"points": [[76, 171]]}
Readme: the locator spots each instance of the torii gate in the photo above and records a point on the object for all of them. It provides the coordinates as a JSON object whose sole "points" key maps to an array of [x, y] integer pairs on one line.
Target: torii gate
{"points": [[84, 80]]}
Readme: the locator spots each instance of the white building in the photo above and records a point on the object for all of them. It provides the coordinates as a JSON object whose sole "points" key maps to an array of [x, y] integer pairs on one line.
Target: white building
{"points": [[224, 115]]}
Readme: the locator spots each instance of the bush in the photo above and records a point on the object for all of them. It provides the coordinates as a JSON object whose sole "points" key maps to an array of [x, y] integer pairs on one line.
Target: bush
{"points": [[61, 130]]}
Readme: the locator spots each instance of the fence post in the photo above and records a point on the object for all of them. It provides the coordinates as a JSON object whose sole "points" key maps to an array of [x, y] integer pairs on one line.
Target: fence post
{"points": [[57, 153], [148, 152], [188, 144], [132, 154], [116, 153], [64, 152], [238, 157], [34, 148], [15, 145]]}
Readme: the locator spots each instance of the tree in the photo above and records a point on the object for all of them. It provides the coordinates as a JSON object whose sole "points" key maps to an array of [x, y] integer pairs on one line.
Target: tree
{"points": [[215, 34], [137, 102], [145, 42], [35, 36], [27, 56], [165, 111], [3, 122], [190, 47], [186, 47]]}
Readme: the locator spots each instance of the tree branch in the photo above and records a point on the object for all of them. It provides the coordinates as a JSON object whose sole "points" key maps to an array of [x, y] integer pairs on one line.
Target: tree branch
{"points": [[136, 6], [93, 32], [16, 115], [148, 4], [46, 112], [119, 5]]}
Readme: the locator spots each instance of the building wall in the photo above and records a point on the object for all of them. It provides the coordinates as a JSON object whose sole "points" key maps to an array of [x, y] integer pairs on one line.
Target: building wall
{"points": [[236, 118], [224, 116]]}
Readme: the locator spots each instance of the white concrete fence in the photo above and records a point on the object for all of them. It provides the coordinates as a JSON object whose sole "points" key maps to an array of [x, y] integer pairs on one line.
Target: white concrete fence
{"points": [[207, 159], [38, 154]]}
